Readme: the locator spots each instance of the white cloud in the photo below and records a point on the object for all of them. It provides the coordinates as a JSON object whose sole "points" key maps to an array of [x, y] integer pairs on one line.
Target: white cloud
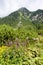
{"points": [[8, 6]]}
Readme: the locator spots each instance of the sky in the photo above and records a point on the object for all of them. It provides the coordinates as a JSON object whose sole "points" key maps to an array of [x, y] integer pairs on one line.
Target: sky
{"points": [[8, 6]]}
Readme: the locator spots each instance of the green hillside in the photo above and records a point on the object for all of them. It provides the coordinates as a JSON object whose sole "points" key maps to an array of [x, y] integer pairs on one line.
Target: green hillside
{"points": [[35, 19], [21, 38]]}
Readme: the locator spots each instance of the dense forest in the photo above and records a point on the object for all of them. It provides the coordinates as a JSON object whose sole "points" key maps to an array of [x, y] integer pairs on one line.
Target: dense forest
{"points": [[21, 38]]}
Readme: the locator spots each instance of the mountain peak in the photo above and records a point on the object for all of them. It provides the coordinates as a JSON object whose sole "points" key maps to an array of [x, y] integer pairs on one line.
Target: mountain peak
{"points": [[23, 9]]}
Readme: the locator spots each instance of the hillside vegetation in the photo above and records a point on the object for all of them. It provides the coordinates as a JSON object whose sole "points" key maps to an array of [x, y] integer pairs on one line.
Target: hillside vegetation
{"points": [[21, 38]]}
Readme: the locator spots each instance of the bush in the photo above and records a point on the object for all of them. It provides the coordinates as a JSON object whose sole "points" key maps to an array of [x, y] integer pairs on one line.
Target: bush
{"points": [[6, 33], [18, 56]]}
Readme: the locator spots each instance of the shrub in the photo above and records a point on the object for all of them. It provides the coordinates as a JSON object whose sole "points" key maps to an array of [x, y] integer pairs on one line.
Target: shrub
{"points": [[6, 33]]}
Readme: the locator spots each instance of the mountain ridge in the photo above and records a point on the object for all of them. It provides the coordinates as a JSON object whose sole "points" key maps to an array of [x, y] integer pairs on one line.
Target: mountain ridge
{"points": [[33, 15], [27, 18]]}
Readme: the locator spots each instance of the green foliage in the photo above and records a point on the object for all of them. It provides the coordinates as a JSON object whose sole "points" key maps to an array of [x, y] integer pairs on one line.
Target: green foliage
{"points": [[19, 40], [16, 54], [39, 26], [8, 33], [19, 56]]}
